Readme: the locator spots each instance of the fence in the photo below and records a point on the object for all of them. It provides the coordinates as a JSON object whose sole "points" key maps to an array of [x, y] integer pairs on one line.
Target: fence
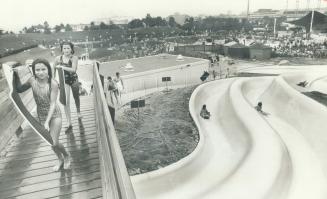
{"points": [[116, 182]]}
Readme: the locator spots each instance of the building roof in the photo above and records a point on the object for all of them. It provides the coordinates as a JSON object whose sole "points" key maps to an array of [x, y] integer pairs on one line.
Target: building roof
{"points": [[259, 45], [318, 19], [237, 45], [143, 64], [230, 43]]}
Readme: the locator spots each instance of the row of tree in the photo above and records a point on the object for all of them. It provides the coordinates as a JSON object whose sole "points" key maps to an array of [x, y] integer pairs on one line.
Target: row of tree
{"points": [[211, 23], [149, 21], [45, 28], [102, 26], [190, 25], [3, 32]]}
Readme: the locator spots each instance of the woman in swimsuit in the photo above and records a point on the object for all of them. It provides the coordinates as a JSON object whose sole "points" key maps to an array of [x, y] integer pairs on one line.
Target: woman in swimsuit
{"points": [[68, 62]]}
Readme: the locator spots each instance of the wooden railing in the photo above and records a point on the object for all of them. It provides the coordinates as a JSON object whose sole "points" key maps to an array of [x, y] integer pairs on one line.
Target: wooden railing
{"points": [[116, 183]]}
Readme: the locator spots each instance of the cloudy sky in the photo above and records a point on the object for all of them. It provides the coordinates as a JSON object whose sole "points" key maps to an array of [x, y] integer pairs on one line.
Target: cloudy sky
{"points": [[15, 14]]}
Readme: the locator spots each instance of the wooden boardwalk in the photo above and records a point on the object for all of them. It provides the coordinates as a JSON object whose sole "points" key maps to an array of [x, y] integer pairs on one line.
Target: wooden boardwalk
{"points": [[26, 170]]}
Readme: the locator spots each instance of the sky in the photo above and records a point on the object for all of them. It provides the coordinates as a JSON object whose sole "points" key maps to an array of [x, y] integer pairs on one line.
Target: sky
{"points": [[16, 14]]}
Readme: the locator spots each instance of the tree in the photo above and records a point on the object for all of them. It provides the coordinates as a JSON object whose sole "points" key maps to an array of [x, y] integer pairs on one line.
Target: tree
{"points": [[92, 26], [46, 28], [113, 26], [32, 29], [57, 28], [149, 21], [189, 24], [135, 23], [158, 21], [171, 22], [25, 29], [68, 28], [103, 26]]}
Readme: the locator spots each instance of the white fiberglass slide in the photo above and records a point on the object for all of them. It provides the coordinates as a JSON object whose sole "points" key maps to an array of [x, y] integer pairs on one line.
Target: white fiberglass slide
{"points": [[244, 154], [238, 156]]}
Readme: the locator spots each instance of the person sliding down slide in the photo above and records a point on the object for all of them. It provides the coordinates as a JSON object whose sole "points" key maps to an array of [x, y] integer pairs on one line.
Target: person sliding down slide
{"points": [[259, 109], [302, 84], [204, 112]]}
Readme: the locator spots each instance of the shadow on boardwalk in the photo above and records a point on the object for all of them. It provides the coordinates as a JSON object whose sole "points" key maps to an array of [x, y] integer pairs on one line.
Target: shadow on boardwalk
{"points": [[26, 170]]}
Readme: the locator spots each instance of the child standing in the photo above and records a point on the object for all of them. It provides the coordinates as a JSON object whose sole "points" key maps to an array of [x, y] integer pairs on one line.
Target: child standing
{"points": [[45, 93], [120, 85], [68, 62]]}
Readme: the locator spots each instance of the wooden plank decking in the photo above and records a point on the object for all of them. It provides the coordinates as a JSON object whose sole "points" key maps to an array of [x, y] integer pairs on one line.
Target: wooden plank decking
{"points": [[26, 170]]}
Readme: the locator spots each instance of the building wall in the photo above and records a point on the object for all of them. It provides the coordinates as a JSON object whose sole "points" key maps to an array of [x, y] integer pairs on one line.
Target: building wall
{"points": [[238, 52], [180, 75], [260, 53], [198, 50]]}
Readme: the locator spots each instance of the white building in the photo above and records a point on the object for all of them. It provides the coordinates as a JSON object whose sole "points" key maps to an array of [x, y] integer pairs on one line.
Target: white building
{"points": [[78, 27], [118, 20]]}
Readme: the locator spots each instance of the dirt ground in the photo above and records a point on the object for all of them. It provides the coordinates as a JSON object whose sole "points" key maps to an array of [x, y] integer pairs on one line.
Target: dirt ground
{"points": [[162, 133]]}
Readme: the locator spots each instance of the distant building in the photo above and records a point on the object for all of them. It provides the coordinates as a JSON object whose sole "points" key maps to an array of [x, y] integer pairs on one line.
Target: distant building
{"points": [[319, 21], [260, 51], [261, 13], [227, 45], [238, 51], [118, 20], [39, 28], [295, 14], [78, 27], [289, 14]]}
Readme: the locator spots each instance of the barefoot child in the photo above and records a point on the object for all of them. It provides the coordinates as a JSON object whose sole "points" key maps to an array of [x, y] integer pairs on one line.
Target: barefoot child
{"points": [[45, 93]]}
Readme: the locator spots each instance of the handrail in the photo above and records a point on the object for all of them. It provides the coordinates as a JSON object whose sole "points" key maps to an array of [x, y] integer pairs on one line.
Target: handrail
{"points": [[116, 183]]}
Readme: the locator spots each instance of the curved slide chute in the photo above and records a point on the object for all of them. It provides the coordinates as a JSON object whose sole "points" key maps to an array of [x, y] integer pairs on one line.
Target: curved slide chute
{"points": [[244, 154], [291, 117], [239, 155]]}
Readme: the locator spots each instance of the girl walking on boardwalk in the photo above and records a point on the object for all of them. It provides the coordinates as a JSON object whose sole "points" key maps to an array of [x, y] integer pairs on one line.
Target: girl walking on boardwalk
{"points": [[68, 62], [45, 93]]}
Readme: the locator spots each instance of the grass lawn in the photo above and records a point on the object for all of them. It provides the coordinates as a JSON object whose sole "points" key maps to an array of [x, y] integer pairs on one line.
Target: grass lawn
{"points": [[160, 135]]}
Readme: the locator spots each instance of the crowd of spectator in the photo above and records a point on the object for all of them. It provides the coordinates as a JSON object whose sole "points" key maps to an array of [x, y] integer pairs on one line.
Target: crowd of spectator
{"points": [[289, 47], [108, 46]]}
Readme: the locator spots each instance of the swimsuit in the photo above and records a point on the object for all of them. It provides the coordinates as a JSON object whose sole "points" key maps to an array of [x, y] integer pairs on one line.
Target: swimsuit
{"points": [[42, 100], [70, 77]]}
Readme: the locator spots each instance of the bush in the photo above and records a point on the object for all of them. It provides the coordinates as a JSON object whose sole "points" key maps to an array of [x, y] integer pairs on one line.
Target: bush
{"points": [[17, 51]]}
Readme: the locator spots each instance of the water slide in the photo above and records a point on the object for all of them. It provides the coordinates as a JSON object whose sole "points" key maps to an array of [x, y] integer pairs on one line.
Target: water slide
{"points": [[244, 154]]}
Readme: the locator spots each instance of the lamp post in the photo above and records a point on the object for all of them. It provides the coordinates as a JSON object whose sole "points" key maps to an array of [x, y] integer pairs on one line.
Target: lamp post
{"points": [[275, 26], [220, 70], [248, 11], [312, 17]]}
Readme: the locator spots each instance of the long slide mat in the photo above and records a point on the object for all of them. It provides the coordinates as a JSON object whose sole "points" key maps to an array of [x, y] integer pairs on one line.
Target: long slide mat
{"points": [[21, 108]]}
